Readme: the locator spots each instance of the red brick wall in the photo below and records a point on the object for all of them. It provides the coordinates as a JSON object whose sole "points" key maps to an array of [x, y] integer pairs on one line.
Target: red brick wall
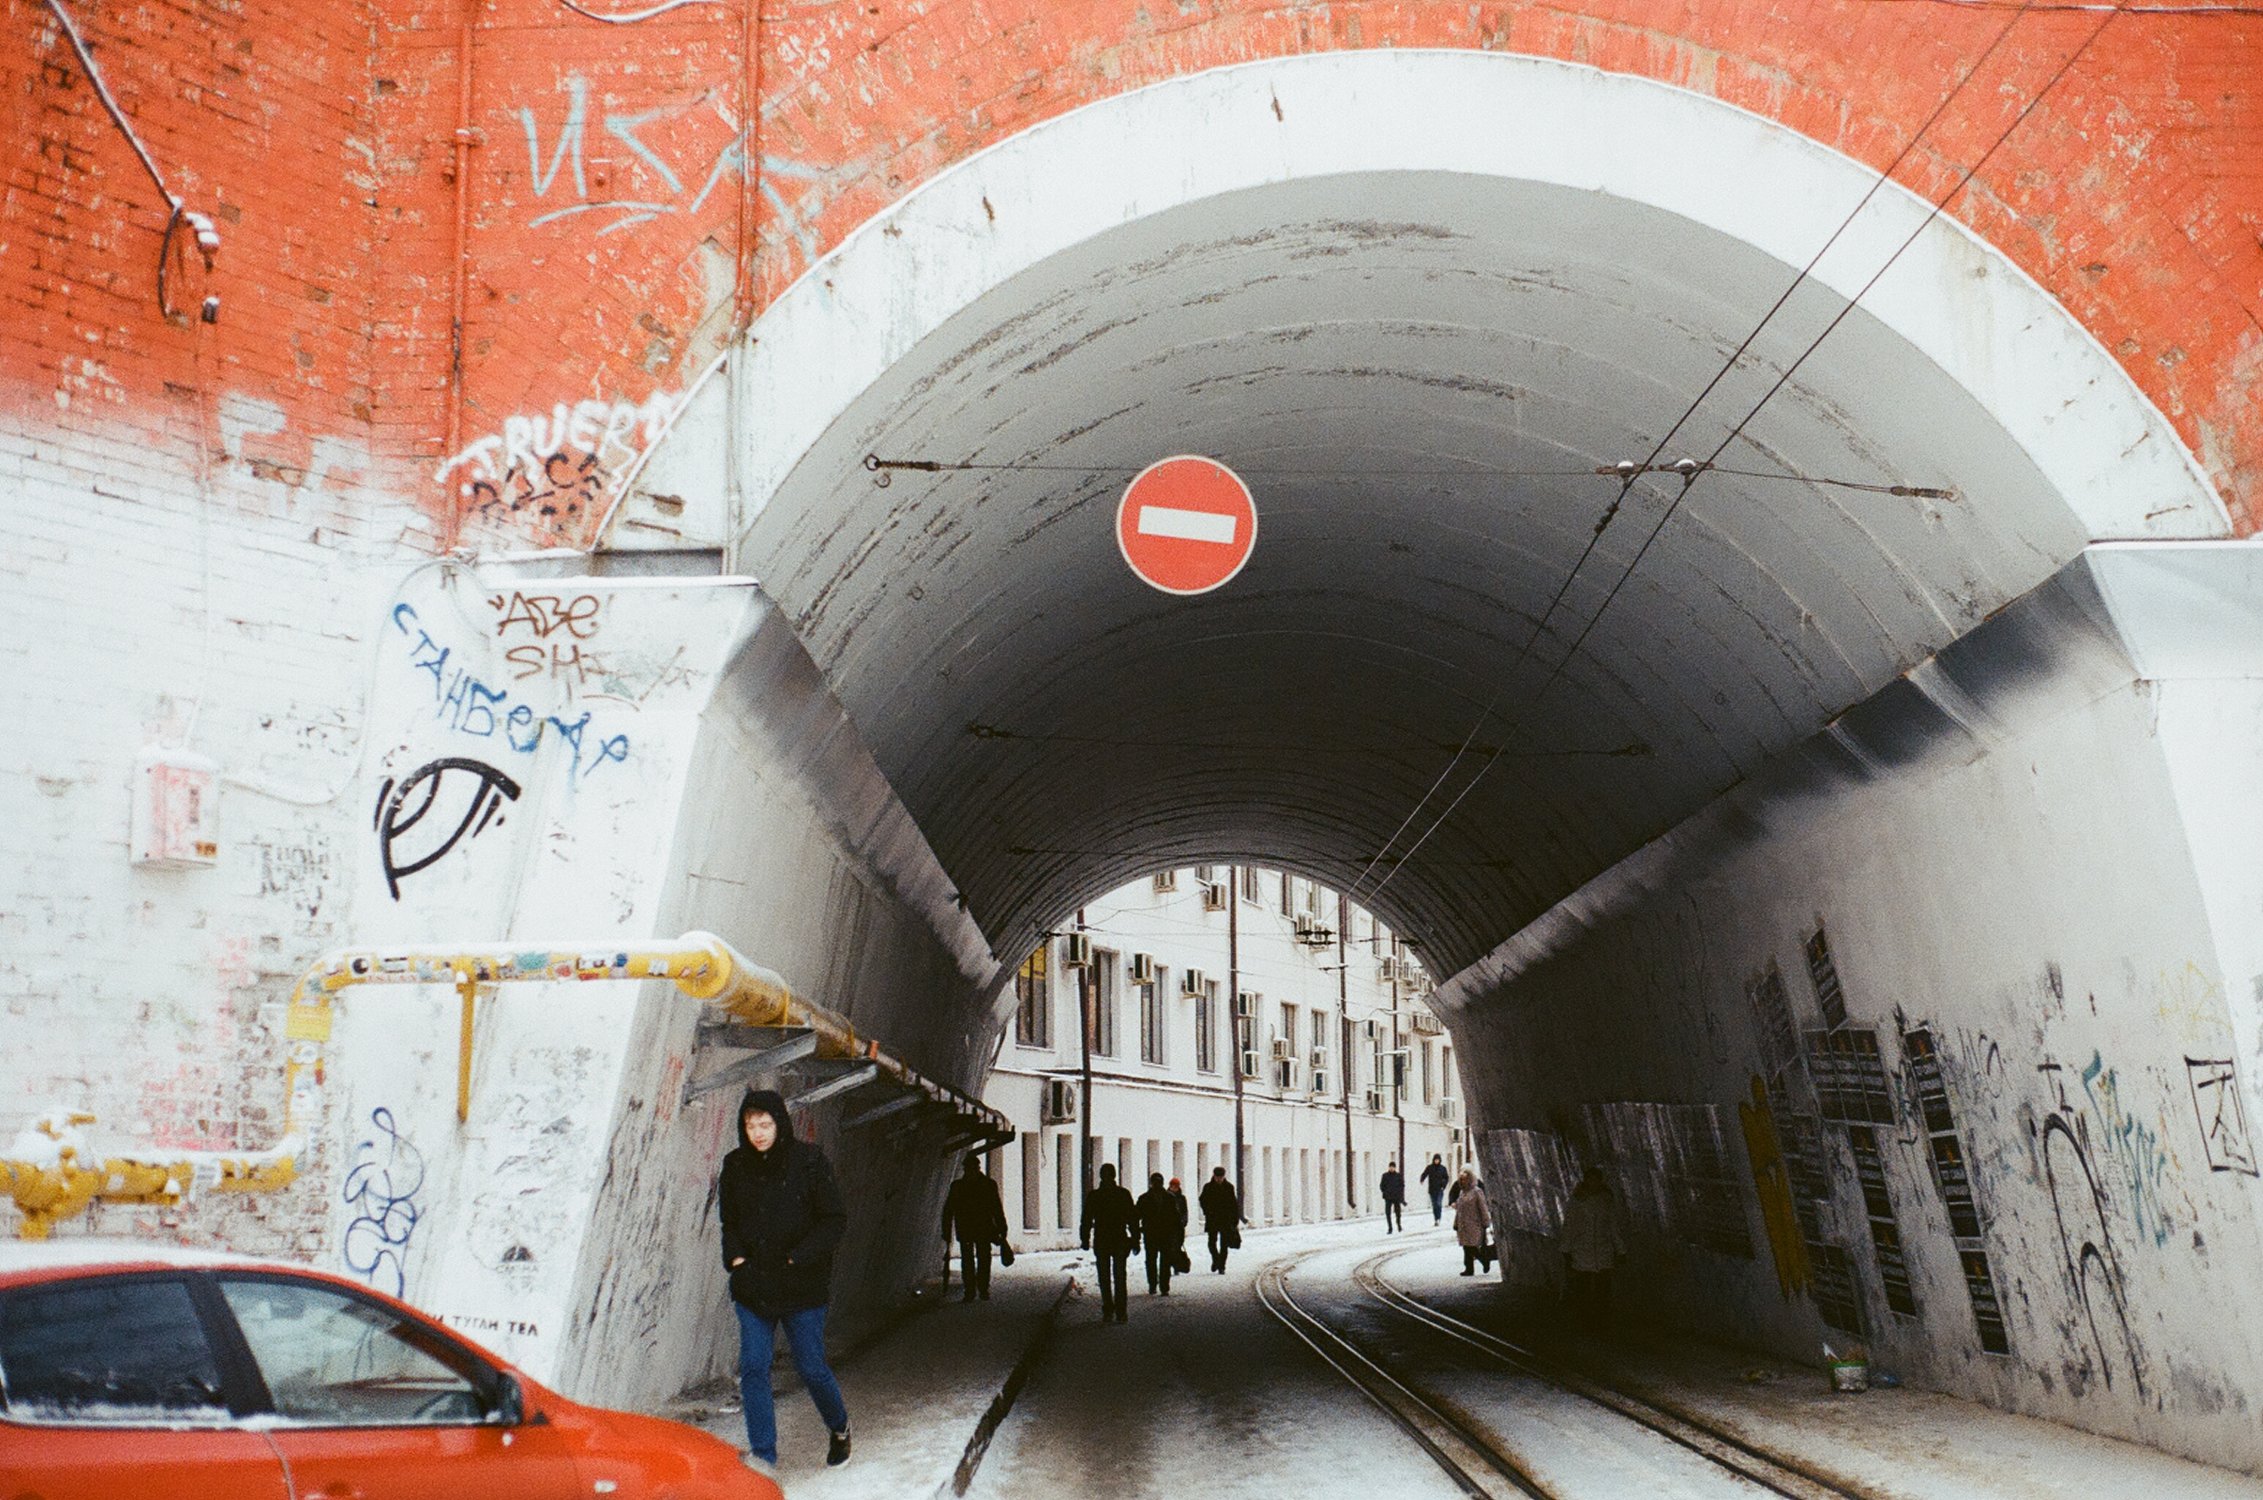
{"points": [[322, 135]]}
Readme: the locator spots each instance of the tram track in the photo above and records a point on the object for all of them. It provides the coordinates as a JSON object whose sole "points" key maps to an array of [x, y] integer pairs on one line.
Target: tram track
{"points": [[1480, 1461], [1772, 1471], [1473, 1460]]}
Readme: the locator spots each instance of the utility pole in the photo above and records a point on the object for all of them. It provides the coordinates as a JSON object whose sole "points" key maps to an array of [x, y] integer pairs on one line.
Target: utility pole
{"points": [[1234, 1007], [1086, 990], [1399, 1069], [1344, 1031]]}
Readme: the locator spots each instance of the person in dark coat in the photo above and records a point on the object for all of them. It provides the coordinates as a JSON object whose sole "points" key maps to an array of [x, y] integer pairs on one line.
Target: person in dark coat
{"points": [[1163, 1229], [1221, 1217], [1435, 1177], [1110, 1230], [782, 1220], [974, 1208], [1394, 1198]]}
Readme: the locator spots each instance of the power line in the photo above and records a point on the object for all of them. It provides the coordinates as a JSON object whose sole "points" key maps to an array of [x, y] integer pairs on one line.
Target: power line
{"points": [[1626, 486], [881, 468], [1735, 432]]}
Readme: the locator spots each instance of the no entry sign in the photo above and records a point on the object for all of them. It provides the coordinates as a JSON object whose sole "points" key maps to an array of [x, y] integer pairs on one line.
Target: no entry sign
{"points": [[1186, 524]]}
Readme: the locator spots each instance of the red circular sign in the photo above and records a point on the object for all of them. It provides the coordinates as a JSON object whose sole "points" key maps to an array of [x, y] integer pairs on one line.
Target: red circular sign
{"points": [[1186, 524]]}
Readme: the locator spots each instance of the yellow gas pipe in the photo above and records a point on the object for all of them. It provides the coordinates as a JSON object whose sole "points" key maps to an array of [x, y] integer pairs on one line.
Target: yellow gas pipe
{"points": [[53, 1181]]}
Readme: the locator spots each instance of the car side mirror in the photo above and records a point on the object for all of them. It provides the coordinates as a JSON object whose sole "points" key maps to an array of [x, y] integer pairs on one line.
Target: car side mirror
{"points": [[510, 1402]]}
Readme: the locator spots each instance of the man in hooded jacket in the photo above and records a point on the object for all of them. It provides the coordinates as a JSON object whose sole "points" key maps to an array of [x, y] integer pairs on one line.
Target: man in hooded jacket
{"points": [[782, 1219]]}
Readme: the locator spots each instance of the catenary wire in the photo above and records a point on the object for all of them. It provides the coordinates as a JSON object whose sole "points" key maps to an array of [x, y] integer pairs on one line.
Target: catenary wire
{"points": [[1626, 488], [1690, 479]]}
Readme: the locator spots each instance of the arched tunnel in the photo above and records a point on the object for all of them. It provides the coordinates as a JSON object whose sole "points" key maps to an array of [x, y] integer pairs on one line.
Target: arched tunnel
{"points": [[1753, 641]]}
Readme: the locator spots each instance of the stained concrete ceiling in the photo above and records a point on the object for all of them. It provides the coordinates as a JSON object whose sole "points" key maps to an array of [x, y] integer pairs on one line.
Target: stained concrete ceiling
{"points": [[1416, 372]]}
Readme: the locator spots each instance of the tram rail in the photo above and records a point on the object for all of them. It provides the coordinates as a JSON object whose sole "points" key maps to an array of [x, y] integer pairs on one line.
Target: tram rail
{"points": [[1479, 1461]]}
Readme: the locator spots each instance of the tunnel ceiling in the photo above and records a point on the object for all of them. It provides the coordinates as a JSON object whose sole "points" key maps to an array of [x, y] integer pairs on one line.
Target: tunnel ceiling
{"points": [[1403, 365]]}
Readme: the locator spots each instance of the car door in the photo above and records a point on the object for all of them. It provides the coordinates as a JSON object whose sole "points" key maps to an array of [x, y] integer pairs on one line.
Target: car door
{"points": [[372, 1404], [113, 1385]]}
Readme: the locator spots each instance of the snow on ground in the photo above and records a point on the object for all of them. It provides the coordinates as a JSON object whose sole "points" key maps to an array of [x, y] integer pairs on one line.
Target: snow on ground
{"points": [[1202, 1393]]}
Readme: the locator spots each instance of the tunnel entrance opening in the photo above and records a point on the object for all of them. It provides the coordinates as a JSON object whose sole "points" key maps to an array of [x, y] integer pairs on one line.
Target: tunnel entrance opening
{"points": [[1417, 299]]}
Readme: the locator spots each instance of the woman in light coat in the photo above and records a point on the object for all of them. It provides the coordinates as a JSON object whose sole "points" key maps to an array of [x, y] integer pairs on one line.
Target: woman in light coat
{"points": [[1473, 1223]]}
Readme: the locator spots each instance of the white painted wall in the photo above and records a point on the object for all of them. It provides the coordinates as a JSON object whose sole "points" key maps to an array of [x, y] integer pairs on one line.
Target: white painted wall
{"points": [[2054, 900]]}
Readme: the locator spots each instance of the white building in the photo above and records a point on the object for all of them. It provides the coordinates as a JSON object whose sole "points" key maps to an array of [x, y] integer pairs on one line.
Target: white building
{"points": [[1342, 1069]]}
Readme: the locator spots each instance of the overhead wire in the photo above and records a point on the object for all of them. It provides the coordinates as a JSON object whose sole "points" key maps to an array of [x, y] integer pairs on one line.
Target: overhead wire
{"points": [[1611, 511], [1939, 207]]}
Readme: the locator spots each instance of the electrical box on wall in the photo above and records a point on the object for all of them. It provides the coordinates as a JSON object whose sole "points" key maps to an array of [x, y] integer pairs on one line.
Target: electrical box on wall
{"points": [[176, 810]]}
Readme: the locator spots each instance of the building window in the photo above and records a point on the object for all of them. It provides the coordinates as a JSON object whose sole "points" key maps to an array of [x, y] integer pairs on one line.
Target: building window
{"points": [[1107, 981], [1206, 1028], [1446, 1073], [1288, 894], [1251, 887], [1429, 1091], [1245, 1032], [1033, 1012], [1152, 1016]]}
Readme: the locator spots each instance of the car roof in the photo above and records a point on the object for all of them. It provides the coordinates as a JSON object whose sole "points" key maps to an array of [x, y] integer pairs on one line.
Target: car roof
{"points": [[32, 1260]]}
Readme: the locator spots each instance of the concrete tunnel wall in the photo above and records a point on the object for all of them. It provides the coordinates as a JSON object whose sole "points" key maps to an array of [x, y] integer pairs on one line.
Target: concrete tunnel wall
{"points": [[2012, 856], [570, 1223]]}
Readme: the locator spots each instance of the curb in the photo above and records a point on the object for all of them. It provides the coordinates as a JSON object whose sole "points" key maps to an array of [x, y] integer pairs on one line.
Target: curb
{"points": [[978, 1445]]}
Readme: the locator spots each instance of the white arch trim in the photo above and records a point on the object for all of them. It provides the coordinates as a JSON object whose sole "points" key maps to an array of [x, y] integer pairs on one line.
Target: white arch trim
{"points": [[2107, 450]]}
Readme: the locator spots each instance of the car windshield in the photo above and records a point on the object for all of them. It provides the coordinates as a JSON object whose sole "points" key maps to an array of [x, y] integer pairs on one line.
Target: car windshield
{"points": [[113, 1350], [332, 1358]]}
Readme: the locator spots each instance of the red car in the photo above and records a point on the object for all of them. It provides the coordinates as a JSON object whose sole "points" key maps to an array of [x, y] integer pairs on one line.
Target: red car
{"points": [[132, 1370]]}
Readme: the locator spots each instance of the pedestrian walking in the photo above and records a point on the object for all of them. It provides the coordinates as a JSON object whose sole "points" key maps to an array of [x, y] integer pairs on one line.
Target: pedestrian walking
{"points": [[1592, 1246], [1163, 1231], [1434, 1178], [1394, 1198], [975, 1210], [782, 1220], [1110, 1230], [1221, 1218], [1473, 1223]]}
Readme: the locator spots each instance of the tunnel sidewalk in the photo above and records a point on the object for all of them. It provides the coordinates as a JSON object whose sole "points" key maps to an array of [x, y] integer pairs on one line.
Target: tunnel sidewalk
{"points": [[916, 1394]]}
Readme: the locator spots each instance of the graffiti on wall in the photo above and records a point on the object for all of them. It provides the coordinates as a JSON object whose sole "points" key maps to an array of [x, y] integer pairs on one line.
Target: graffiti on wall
{"points": [[2081, 1213], [437, 806], [558, 467], [381, 1188], [470, 705], [2223, 1119]]}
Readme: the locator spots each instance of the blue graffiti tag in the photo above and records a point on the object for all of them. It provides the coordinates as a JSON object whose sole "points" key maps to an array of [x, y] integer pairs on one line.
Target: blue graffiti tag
{"points": [[470, 705], [382, 1195]]}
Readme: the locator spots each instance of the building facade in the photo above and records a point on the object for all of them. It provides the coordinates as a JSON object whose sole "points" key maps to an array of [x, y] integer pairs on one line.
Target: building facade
{"points": [[1172, 985]]}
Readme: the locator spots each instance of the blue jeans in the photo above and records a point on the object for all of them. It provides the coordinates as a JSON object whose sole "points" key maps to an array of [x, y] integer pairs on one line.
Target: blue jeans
{"points": [[758, 1345]]}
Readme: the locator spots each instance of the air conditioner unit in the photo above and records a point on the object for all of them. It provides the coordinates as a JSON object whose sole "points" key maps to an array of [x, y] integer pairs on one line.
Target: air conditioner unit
{"points": [[1253, 1064], [1143, 968], [1449, 1110], [1320, 1057], [1245, 1003], [1375, 1101], [1167, 880], [1386, 968], [1284, 1050], [1076, 951], [1191, 982], [1305, 924], [1215, 897], [1059, 1105], [1372, 1029], [1319, 1081], [1318, 935], [1426, 1023]]}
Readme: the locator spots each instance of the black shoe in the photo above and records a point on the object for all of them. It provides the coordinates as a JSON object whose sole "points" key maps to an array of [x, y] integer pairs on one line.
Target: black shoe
{"points": [[837, 1453], [966, 1296]]}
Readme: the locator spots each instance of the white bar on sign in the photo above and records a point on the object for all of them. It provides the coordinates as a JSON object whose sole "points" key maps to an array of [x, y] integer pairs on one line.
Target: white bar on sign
{"points": [[1186, 525]]}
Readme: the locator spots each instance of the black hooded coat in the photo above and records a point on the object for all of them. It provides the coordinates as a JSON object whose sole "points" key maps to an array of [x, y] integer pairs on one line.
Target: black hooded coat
{"points": [[782, 1214]]}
